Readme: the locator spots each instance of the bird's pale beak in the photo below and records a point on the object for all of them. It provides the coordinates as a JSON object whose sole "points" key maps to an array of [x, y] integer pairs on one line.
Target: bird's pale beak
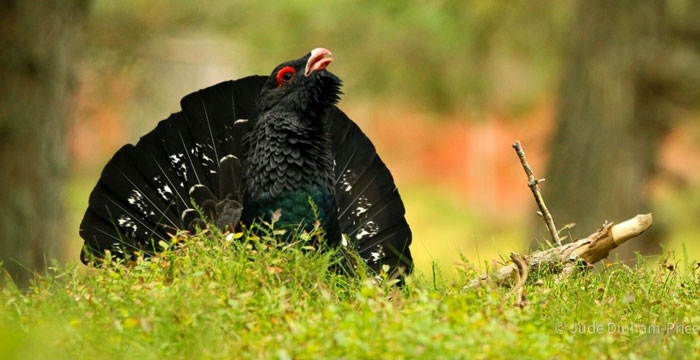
{"points": [[317, 60]]}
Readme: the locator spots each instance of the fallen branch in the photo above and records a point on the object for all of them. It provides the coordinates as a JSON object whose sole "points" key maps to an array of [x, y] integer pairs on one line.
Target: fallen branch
{"points": [[563, 258], [534, 186]]}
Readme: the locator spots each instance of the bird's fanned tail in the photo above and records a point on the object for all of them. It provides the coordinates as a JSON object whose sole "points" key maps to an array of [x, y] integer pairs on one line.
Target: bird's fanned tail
{"points": [[145, 189]]}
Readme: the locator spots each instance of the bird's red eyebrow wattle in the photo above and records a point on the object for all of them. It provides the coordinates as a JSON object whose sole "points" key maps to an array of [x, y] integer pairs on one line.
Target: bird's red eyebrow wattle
{"points": [[283, 71]]}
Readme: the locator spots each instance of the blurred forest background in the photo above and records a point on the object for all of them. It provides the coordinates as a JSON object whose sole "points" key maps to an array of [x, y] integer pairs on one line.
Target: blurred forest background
{"points": [[604, 95]]}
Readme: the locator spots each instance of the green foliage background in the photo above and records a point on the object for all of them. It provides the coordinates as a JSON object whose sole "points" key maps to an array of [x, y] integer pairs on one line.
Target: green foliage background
{"points": [[438, 54]]}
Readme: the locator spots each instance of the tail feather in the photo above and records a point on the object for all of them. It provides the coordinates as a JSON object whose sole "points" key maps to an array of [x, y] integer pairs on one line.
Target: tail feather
{"points": [[112, 223], [370, 209], [106, 236], [144, 189], [230, 181], [185, 154], [390, 247], [124, 198], [124, 178], [201, 148]]}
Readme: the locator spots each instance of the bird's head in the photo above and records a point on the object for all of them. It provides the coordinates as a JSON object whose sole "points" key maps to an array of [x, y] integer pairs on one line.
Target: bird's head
{"points": [[302, 85]]}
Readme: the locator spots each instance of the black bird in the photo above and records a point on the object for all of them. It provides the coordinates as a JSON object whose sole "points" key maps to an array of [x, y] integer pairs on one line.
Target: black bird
{"points": [[274, 146]]}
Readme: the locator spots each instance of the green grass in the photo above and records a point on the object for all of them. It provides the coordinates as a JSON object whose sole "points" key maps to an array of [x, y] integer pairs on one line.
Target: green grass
{"points": [[254, 297]]}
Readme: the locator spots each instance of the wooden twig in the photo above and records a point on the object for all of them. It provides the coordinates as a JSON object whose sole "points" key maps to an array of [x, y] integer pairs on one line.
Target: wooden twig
{"points": [[523, 268], [534, 186], [560, 259], [520, 277]]}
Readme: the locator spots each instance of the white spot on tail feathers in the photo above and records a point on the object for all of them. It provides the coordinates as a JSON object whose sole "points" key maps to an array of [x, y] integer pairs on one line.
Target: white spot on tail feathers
{"points": [[179, 165], [368, 230], [127, 223], [182, 171], [136, 199], [135, 196], [116, 246], [176, 158], [346, 180], [361, 234], [164, 191], [363, 205], [378, 254]]}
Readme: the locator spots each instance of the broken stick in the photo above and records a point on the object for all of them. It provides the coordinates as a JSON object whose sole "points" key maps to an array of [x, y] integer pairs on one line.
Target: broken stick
{"points": [[534, 186], [590, 250]]}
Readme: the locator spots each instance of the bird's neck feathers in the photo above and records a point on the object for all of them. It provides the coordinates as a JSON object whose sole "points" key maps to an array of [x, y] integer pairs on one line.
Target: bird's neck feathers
{"points": [[287, 152], [288, 147]]}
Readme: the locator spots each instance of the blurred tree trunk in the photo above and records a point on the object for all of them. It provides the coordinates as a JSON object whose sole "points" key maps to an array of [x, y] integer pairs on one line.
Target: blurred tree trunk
{"points": [[37, 51], [609, 121]]}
